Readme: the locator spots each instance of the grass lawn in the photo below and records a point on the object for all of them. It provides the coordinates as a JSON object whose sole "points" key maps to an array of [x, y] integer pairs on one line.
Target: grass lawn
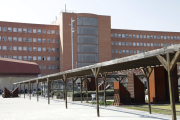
{"points": [[102, 103], [162, 109]]}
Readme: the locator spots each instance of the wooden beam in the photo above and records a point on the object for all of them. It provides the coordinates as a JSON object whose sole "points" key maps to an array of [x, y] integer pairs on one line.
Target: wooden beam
{"points": [[104, 79], [163, 61], [175, 60], [171, 88]]}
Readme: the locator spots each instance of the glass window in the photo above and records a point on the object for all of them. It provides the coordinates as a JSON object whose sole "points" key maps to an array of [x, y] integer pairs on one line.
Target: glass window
{"points": [[158, 37], [119, 43], [4, 48], [57, 32], [123, 43], [130, 36], [148, 37], [39, 40], [174, 37], [53, 31], [48, 67], [44, 31], [130, 43], [115, 43], [39, 57], [44, 58], [53, 40], [112, 35], [127, 51], [119, 35], [123, 35], [15, 57], [19, 57], [141, 44], [14, 29], [39, 48], [148, 44], [115, 35], [48, 49], [116, 51], [9, 29], [127, 43], [53, 58], [162, 37], [48, 32], [123, 51], [154, 44], [24, 30], [34, 48], [138, 51], [48, 40], [24, 39], [39, 30], [29, 48], [131, 52], [141, 51], [29, 57], [158, 44], [20, 48], [34, 58], [134, 36], [4, 38], [151, 37], [0, 28], [24, 48], [137, 36], [165, 45], [126, 35], [29, 30], [24, 57], [57, 40], [53, 49], [20, 39], [171, 37], [57, 58], [44, 40], [4, 28], [165, 37], [141, 36], [9, 47], [137, 44], [112, 51], [9, 56], [15, 48], [134, 51], [144, 36], [19, 29], [57, 67], [53, 66], [144, 44], [162, 44], [57, 49], [14, 38], [39, 66], [29, 39], [43, 49], [168, 37], [151, 44], [119, 51], [154, 37], [178, 38], [48, 58], [134, 43], [0, 38], [34, 39], [34, 30]]}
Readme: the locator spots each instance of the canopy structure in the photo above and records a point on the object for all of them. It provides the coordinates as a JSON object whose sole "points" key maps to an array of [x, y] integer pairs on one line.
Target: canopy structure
{"points": [[167, 57]]}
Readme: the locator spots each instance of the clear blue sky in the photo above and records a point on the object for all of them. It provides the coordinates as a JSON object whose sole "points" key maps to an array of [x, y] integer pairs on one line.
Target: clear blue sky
{"points": [[158, 15]]}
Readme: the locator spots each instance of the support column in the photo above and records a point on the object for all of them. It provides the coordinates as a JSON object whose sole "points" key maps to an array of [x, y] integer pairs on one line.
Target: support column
{"points": [[48, 90], [73, 90], [24, 90], [64, 89], [44, 90], [20, 89], [96, 73], [86, 89], [37, 91], [65, 80], [30, 90], [147, 73], [52, 88], [81, 90], [104, 79]]}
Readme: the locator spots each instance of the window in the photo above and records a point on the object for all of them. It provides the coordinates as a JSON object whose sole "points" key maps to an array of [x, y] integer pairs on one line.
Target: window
{"points": [[130, 36], [34, 48], [178, 38], [44, 58], [57, 67], [141, 36], [39, 66], [19, 57], [158, 37], [48, 67], [4, 48], [57, 49], [115, 43], [19, 48], [57, 32], [0, 28], [168, 37], [15, 39], [174, 37], [144, 44], [43, 49], [14, 29], [148, 44], [119, 51], [4, 29], [151, 44], [126, 35], [24, 48], [48, 40], [53, 58], [39, 48], [134, 43], [127, 43], [29, 48], [0, 49], [34, 30], [148, 37], [116, 51], [4, 38], [130, 43], [171, 37], [115, 35], [154, 44], [112, 51], [141, 44], [123, 43], [127, 51], [165, 45], [53, 66], [29, 57], [24, 30], [137, 44], [165, 37], [44, 66], [34, 58], [131, 51], [134, 36], [24, 39], [112, 35], [19, 29], [9, 29], [48, 58], [39, 30], [29, 39], [112, 43], [9, 56], [20, 39], [161, 37], [44, 40], [53, 49], [53, 31], [57, 40], [137, 36], [39, 57], [15, 57], [48, 31], [158, 44], [123, 35], [29, 30], [53, 40], [119, 43], [9, 47], [119, 35], [39, 40], [0, 38], [15, 48], [44, 31], [151, 37], [24, 57], [154, 37], [123, 51], [57, 58], [34, 39], [134, 51], [162, 45], [144, 36], [48, 49]]}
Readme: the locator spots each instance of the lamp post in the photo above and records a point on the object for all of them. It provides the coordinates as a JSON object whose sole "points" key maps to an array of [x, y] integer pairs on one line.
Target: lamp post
{"points": [[72, 30]]}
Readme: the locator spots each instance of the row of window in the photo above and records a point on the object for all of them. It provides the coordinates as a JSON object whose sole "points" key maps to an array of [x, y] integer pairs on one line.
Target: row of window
{"points": [[145, 36], [24, 39], [28, 30], [141, 44], [128, 51], [48, 67], [19, 48], [39, 58]]}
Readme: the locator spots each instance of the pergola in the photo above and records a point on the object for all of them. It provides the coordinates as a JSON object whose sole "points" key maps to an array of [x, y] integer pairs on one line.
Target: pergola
{"points": [[167, 57]]}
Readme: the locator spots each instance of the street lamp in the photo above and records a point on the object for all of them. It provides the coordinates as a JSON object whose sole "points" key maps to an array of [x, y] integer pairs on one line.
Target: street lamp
{"points": [[72, 30]]}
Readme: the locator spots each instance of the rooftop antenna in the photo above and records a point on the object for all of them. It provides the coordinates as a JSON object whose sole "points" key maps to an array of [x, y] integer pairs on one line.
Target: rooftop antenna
{"points": [[65, 7]]}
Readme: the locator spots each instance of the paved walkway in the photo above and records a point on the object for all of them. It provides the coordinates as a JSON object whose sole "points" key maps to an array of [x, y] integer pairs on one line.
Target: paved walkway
{"points": [[25, 109]]}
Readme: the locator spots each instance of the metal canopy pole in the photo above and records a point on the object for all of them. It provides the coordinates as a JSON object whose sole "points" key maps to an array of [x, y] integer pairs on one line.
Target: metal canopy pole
{"points": [[81, 90], [73, 90], [65, 80], [30, 90], [64, 89], [44, 90], [96, 73], [20, 89], [48, 90], [37, 91], [24, 90], [86, 90]]}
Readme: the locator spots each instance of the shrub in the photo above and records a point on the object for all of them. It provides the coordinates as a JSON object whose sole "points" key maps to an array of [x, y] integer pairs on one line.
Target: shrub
{"points": [[39, 92]]}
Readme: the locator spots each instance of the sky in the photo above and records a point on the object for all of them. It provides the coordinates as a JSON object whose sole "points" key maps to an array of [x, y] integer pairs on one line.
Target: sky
{"points": [[156, 15]]}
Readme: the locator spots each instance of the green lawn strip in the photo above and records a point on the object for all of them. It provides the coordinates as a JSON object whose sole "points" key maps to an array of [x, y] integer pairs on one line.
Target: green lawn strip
{"points": [[162, 109], [102, 102]]}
